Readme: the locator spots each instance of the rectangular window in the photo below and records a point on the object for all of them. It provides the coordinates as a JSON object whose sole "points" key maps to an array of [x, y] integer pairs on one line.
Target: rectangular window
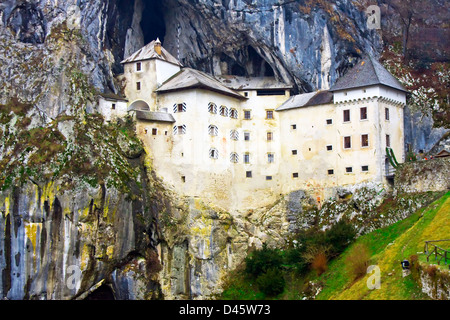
{"points": [[247, 136], [365, 168], [248, 174], [349, 169], [388, 140], [271, 157], [269, 136], [271, 93], [363, 112], [295, 175], [330, 172], [294, 152], [183, 179], [247, 158], [347, 142], [154, 131], [269, 114], [138, 66], [364, 140], [138, 86], [386, 114], [113, 106], [181, 107], [330, 148], [268, 178], [329, 121], [346, 115], [247, 114], [294, 127]]}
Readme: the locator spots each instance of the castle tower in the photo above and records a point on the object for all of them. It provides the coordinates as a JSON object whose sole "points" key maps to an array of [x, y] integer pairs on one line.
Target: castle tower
{"points": [[145, 71]]}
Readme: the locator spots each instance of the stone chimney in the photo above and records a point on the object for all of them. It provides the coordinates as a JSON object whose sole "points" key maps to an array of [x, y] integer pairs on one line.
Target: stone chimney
{"points": [[158, 48]]}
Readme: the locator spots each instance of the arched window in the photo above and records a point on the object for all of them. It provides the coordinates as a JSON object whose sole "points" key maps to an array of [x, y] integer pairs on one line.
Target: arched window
{"points": [[234, 135], [179, 107], [179, 130], [224, 111], [233, 114], [234, 157], [213, 130], [212, 108], [214, 153]]}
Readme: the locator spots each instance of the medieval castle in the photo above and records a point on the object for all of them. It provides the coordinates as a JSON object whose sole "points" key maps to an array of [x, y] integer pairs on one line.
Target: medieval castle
{"points": [[242, 142]]}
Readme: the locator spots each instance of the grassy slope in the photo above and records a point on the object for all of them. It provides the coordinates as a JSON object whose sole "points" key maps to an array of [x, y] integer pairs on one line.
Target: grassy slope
{"points": [[387, 247]]}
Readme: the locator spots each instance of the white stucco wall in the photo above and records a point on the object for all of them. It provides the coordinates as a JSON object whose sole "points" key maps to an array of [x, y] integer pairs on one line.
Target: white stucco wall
{"points": [[369, 92], [106, 108]]}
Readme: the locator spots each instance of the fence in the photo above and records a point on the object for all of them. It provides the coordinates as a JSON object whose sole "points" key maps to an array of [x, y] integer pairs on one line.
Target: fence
{"points": [[437, 251]]}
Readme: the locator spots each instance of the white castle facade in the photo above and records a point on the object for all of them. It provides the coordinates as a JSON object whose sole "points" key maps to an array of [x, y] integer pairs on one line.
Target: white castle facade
{"points": [[241, 143]]}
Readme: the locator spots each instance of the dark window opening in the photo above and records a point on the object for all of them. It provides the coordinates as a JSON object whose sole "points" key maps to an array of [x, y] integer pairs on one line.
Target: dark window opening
{"points": [[329, 121], [363, 112], [386, 113], [247, 115], [346, 115], [154, 131], [248, 174], [365, 140], [268, 178], [388, 140], [269, 114], [270, 93], [269, 136], [330, 172], [349, 169], [347, 142], [113, 106], [183, 179], [294, 127], [329, 148], [138, 66], [365, 168], [294, 152], [295, 175], [138, 86]]}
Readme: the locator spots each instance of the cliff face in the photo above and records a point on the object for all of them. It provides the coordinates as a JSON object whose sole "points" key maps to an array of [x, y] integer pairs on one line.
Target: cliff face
{"points": [[79, 203]]}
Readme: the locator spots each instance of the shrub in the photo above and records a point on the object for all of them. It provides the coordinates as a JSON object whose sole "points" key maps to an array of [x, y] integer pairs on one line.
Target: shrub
{"points": [[319, 264], [271, 283], [262, 260], [339, 236], [293, 258], [358, 260]]}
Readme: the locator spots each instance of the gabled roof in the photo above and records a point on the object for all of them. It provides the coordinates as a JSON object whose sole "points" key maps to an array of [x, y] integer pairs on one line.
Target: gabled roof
{"points": [[306, 100], [193, 79], [112, 97], [155, 116], [367, 72], [252, 83], [148, 52]]}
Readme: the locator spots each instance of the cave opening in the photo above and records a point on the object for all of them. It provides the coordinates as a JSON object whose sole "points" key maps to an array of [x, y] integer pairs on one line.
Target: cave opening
{"points": [[258, 66], [104, 292], [153, 24]]}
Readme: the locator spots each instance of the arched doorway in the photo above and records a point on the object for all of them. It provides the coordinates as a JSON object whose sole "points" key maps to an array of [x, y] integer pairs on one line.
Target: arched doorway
{"points": [[139, 105]]}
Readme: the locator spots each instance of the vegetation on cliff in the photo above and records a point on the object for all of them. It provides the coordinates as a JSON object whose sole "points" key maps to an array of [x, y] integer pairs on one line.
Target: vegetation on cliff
{"points": [[332, 265]]}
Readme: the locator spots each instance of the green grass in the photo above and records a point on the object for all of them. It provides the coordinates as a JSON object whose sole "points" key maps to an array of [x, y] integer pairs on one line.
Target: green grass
{"points": [[387, 247]]}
